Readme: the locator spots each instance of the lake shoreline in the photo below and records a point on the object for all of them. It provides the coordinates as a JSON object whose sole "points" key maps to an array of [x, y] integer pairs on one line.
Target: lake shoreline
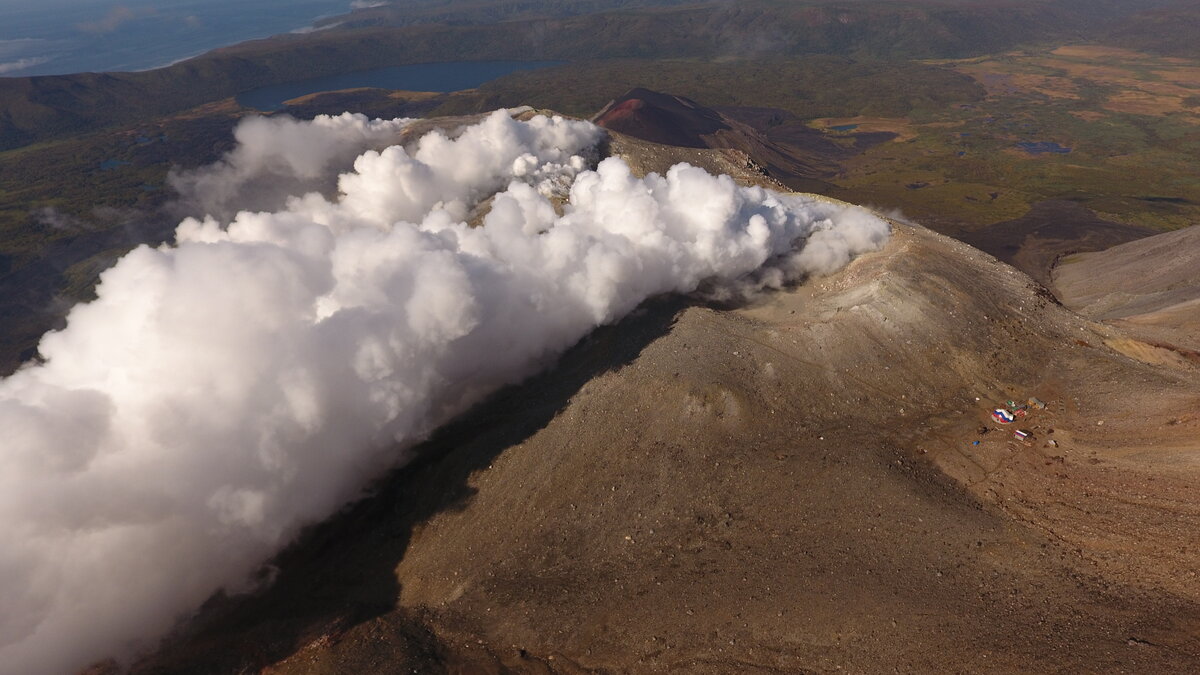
{"points": [[439, 77], [138, 36]]}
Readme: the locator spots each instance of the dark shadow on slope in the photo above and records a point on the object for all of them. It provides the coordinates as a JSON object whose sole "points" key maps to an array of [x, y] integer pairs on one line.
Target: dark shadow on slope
{"points": [[1050, 230], [35, 296], [341, 572]]}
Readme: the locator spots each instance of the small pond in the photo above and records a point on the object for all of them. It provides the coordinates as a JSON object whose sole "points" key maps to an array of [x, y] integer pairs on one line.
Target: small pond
{"points": [[1043, 147]]}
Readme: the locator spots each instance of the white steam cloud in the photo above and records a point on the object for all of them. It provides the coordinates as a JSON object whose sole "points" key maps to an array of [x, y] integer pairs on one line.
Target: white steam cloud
{"points": [[225, 391], [278, 157]]}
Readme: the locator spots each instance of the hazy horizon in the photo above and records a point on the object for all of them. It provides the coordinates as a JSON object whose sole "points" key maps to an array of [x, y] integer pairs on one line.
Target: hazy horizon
{"points": [[70, 36]]}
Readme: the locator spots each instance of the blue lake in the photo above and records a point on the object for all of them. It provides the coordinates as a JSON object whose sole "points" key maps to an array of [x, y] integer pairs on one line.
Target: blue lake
{"points": [[51, 37], [440, 77], [845, 127]]}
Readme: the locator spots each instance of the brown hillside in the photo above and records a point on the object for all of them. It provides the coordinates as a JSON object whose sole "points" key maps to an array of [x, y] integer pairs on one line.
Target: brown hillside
{"points": [[789, 486], [794, 155], [1150, 286], [661, 118]]}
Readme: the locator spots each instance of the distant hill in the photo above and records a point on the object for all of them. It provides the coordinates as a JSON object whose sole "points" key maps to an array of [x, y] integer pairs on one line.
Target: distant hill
{"points": [[1173, 31], [789, 153], [661, 118], [40, 108]]}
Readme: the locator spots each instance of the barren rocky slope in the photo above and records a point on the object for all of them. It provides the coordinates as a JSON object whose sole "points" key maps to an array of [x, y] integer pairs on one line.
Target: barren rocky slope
{"points": [[791, 485], [1150, 286], [800, 158]]}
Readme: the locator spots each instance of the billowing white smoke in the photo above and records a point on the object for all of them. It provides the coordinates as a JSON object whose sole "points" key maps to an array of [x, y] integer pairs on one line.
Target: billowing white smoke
{"points": [[277, 157], [225, 391]]}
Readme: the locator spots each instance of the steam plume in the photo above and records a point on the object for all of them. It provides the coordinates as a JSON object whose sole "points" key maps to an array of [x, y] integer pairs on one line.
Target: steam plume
{"points": [[277, 157], [224, 391]]}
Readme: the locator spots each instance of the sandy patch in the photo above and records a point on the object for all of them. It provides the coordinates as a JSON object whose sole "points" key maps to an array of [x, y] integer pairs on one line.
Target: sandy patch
{"points": [[902, 128], [1100, 52], [1186, 75], [1144, 103]]}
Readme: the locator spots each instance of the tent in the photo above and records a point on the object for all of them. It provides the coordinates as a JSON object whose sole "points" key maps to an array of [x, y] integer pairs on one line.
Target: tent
{"points": [[1002, 416]]}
